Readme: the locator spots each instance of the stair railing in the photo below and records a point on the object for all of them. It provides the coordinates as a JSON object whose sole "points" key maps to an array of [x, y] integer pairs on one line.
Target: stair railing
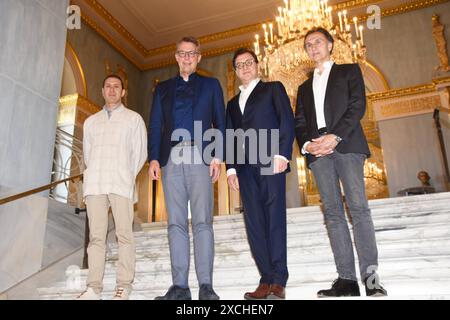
{"points": [[68, 167]]}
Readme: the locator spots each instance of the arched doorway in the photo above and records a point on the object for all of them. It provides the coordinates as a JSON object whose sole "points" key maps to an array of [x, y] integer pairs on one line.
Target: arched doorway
{"points": [[67, 160], [73, 80]]}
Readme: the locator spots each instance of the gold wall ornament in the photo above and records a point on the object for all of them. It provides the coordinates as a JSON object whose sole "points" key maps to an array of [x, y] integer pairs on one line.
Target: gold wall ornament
{"points": [[411, 100], [120, 71], [403, 92], [410, 107], [441, 44]]}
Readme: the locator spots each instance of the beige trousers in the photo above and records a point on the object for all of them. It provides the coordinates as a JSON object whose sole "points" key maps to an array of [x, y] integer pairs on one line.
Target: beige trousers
{"points": [[123, 213]]}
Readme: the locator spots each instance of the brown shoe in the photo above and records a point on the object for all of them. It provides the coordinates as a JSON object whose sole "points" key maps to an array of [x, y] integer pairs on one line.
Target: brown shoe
{"points": [[277, 292], [259, 294]]}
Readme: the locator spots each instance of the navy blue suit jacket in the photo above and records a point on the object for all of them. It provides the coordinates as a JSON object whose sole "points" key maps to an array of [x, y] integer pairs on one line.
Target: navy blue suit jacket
{"points": [[268, 107], [208, 108]]}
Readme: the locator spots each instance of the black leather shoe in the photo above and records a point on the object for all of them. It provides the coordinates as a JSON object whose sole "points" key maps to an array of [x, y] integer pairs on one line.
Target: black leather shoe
{"points": [[176, 293], [206, 292], [341, 288], [373, 287]]}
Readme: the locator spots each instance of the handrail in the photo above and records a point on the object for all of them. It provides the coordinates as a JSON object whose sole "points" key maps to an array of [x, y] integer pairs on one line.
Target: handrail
{"points": [[37, 190]]}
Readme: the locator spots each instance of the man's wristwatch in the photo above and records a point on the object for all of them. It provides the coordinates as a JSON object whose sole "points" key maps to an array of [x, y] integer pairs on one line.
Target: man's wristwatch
{"points": [[338, 139]]}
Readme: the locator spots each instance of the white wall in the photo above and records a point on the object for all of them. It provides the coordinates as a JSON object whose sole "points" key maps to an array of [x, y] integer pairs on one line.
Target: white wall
{"points": [[32, 37]]}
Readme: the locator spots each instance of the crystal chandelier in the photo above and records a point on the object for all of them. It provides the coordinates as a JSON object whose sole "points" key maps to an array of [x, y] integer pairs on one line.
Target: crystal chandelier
{"points": [[280, 49]]}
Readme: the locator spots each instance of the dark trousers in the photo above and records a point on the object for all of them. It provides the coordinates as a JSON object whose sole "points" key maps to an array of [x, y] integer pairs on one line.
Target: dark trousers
{"points": [[349, 169], [264, 200]]}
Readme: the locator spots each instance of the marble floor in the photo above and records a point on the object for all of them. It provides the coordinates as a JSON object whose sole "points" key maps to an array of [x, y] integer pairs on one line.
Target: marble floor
{"points": [[413, 236]]}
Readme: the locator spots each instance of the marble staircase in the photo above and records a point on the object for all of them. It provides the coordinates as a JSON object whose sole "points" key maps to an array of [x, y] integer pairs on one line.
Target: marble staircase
{"points": [[413, 236]]}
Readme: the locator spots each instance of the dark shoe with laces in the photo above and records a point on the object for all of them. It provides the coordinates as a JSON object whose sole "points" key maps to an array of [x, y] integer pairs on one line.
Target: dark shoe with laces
{"points": [[176, 293], [373, 287], [341, 288], [207, 292]]}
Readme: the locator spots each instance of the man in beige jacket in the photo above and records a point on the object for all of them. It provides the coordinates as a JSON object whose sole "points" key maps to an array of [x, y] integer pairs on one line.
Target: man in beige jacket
{"points": [[115, 149]]}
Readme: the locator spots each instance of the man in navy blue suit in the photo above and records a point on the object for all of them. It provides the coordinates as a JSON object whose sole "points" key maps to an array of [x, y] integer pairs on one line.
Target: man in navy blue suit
{"points": [[182, 106], [262, 110]]}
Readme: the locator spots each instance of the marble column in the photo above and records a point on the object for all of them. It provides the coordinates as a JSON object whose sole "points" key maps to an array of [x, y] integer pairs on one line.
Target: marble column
{"points": [[32, 37]]}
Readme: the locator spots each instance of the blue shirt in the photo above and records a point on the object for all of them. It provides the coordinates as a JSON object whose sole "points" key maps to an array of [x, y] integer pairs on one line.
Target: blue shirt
{"points": [[183, 114]]}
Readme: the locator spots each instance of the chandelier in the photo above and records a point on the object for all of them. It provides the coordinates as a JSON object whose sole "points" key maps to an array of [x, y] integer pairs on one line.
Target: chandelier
{"points": [[373, 171], [280, 49]]}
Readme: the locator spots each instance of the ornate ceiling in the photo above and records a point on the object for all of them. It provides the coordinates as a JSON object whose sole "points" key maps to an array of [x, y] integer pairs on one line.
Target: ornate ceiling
{"points": [[145, 31]]}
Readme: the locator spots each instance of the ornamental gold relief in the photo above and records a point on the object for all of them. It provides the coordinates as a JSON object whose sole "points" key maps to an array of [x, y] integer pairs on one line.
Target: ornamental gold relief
{"points": [[408, 107]]}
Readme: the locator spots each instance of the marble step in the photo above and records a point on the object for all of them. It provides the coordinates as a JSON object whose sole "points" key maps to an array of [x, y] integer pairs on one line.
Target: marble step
{"points": [[413, 238], [299, 254], [236, 222], [398, 288], [432, 267], [411, 199], [387, 238], [426, 203], [321, 259], [390, 228]]}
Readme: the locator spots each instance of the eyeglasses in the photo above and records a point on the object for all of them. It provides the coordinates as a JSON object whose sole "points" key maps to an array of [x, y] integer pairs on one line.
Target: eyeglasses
{"points": [[190, 54], [248, 63]]}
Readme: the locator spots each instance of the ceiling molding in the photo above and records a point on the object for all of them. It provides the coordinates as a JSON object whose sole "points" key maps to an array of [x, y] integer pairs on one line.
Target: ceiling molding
{"points": [[146, 53], [111, 41], [113, 22]]}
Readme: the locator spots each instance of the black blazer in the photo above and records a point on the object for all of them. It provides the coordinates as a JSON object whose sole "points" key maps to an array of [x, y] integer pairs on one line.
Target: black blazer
{"points": [[344, 107], [268, 107]]}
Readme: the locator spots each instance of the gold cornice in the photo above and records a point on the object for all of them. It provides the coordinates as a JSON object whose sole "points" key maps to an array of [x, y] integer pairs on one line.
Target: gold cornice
{"points": [[422, 104], [353, 4], [76, 99], [110, 40], [113, 22], [403, 92], [405, 8], [441, 80]]}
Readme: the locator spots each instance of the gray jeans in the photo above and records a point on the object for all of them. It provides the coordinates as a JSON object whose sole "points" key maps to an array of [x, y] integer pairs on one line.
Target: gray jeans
{"points": [[182, 183], [349, 169]]}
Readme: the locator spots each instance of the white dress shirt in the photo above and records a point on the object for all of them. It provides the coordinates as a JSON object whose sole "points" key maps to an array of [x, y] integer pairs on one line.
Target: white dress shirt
{"points": [[246, 92], [243, 98], [320, 81]]}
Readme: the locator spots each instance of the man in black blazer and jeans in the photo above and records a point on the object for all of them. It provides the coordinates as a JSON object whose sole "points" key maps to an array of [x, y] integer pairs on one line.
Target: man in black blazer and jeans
{"points": [[330, 106]]}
